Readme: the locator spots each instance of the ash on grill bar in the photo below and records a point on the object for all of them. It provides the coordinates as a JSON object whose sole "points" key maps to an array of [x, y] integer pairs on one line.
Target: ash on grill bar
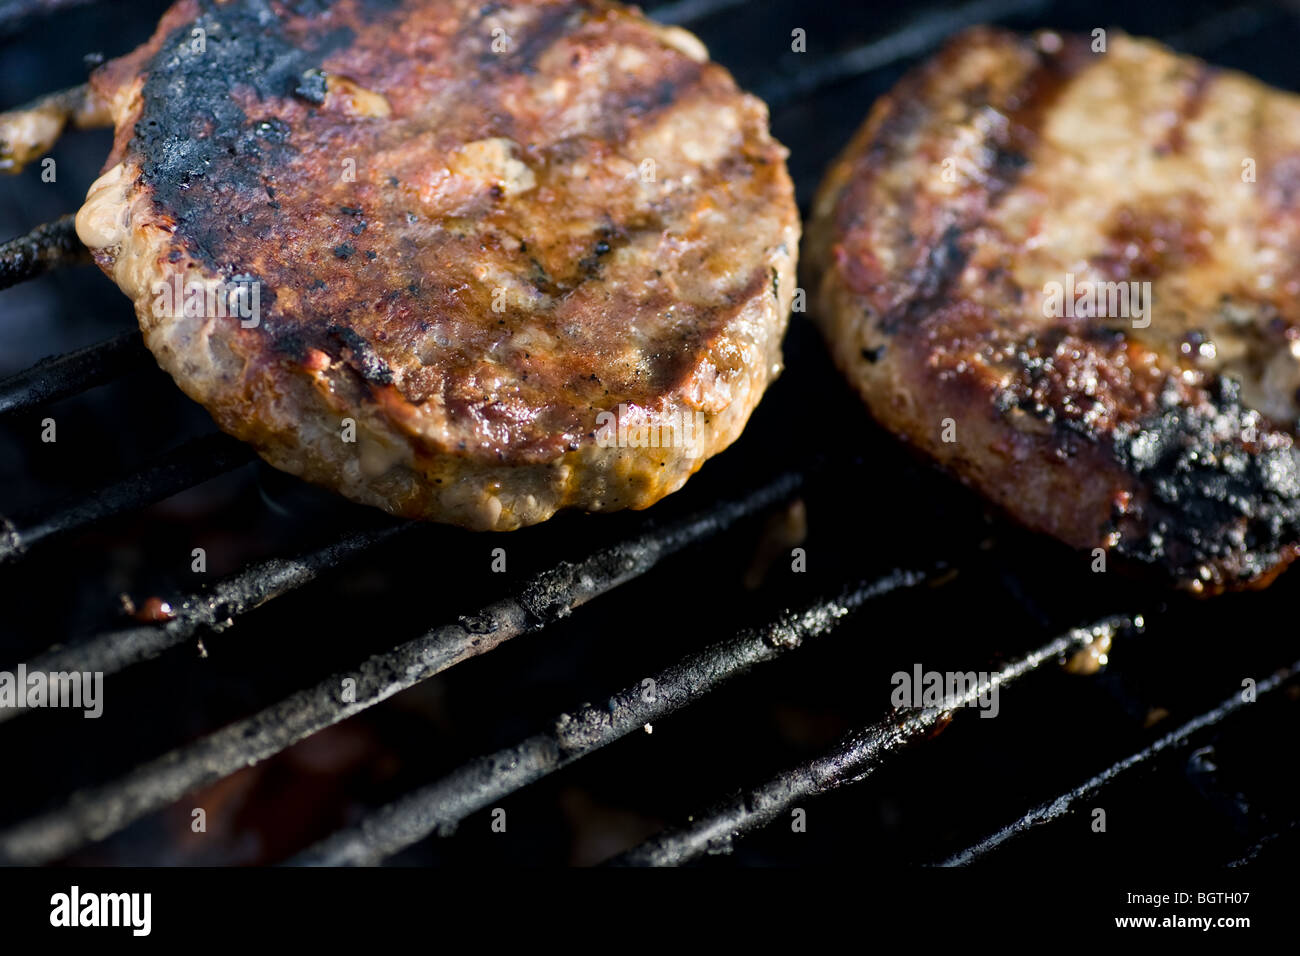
{"points": [[281, 675]]}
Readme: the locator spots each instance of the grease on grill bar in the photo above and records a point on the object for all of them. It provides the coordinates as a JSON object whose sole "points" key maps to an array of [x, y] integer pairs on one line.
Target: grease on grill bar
{"points": [[210, 611], [858, 756]]}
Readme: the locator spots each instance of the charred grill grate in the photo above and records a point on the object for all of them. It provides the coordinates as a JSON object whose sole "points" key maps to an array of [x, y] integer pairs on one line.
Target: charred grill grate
{"points": [[105, 799]]}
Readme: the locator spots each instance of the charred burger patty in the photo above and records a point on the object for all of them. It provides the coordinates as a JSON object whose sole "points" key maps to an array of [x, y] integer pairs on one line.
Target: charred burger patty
{"points": [[1070, 275], [506, 258]]}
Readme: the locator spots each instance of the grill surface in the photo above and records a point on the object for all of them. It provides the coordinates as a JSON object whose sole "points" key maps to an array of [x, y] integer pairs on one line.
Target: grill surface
{"points": [[661, 687]]}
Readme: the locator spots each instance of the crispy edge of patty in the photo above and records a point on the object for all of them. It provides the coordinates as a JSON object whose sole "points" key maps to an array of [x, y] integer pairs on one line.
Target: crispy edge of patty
{"points": [[292, 413], [1086, 488]]}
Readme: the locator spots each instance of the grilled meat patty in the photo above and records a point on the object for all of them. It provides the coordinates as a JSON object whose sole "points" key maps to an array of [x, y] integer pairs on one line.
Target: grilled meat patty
{"points": [[1071, 277], [506, 258]]}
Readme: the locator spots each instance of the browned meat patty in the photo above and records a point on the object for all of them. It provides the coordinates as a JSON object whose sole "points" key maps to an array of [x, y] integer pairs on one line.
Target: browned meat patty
{"points": [[508, 257], [1071, 277]]}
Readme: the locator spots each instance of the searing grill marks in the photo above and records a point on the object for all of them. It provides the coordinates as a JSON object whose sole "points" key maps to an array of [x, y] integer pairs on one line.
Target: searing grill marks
{"points": [[1008, 123]]}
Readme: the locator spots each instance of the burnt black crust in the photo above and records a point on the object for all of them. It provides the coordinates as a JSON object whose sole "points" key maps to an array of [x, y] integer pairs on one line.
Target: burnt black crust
{"points": [[371, 367], [1220, 485], [199, 146], [201, 152], [1223, 490]]}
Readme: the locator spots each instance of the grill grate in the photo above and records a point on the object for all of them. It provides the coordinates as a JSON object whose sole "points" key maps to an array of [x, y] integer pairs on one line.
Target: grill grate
{"points": [[553, 595], [839, 83], [1054, 809], [443, 805], [181, 468], [858, 755], [44, 248], [65, 375]]}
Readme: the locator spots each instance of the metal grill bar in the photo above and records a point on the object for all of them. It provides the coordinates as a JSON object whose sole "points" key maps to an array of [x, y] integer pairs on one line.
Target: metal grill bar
{"points": [[689, 11], [440, 806], [14, 14], [208, 611], [46, 246], [59, 376], [183, 467], [1054, 809], [1253, 853], [919, 36], [552, 595], [1221, 28], [929, 30], [859, 755]]}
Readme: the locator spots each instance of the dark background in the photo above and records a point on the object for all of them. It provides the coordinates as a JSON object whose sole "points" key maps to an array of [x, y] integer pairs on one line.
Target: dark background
{"points": [[869, 508]]}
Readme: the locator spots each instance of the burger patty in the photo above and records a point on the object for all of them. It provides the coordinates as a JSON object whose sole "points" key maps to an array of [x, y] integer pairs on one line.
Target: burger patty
{"points": [[470, 262], [1070, 276]]}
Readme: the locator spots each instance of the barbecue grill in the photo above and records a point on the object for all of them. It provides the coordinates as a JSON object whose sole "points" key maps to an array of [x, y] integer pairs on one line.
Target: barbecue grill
{"points": [[316, 683]]}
